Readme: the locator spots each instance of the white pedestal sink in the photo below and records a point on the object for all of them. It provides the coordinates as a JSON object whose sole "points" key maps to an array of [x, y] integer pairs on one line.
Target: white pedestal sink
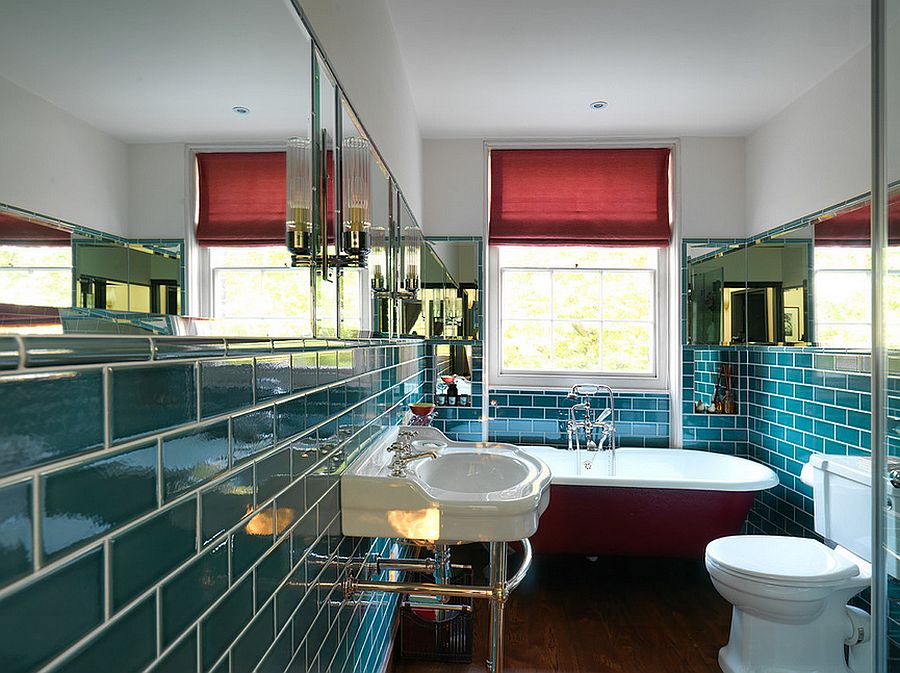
{"points": [[472, 492]]}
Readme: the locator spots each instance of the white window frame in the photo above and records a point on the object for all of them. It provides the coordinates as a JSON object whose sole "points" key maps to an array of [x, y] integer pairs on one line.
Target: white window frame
{"points": [[668, 319], [549, 379]]}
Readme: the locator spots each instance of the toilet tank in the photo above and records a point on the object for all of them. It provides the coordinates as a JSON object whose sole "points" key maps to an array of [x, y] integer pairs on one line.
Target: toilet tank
{"points": [[842, 499]]}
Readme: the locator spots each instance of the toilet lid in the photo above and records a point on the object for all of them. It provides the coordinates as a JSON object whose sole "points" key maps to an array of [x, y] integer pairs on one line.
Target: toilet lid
{"points": [[776, 558]]}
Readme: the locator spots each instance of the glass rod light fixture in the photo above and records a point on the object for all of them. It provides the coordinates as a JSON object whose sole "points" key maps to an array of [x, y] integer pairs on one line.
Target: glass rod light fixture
{"points": [[299, 229], [355, 188]]}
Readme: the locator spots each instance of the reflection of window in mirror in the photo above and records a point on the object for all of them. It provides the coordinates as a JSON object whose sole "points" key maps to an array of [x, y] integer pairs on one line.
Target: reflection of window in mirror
{"points": [[842, 292], [35, 275], [255, 291]]}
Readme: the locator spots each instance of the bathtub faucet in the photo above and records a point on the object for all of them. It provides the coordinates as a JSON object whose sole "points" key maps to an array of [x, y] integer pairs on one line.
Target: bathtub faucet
{"points": [[604, 421]]}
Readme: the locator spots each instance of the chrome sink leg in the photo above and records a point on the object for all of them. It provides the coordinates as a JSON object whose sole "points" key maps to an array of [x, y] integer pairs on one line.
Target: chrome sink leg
{"points": [[498, 585]]}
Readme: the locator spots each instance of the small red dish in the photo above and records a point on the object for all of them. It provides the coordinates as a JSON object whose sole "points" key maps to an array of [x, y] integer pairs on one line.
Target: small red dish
{"points": [[448, 379], [421, 408]]}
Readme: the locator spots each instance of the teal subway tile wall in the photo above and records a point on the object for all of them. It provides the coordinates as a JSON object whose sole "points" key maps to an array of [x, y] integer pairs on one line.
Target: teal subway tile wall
{"points": [[531, 416], [176, 508]]}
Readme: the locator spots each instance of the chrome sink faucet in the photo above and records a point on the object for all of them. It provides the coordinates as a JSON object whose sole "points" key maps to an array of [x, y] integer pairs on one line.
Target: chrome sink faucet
{"points": [[399, 463]]}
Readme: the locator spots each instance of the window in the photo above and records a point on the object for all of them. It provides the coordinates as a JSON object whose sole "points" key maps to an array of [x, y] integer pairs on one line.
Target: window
{"points": [[574, 313]]}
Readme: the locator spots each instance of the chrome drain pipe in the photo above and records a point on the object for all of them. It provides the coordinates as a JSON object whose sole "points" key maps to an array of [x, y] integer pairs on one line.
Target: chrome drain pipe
{"points": [[497, 593]]}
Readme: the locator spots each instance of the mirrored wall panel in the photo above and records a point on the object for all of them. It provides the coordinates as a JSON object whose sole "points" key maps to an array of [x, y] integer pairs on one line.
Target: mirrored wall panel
{"points": [[808, 284]]}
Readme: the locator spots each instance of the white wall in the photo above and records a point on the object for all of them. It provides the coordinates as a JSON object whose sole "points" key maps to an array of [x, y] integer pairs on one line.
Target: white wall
{"points": [[359, 40], [813, 154], [712, 187], [57, 165], [454, 187], [156, 190]]}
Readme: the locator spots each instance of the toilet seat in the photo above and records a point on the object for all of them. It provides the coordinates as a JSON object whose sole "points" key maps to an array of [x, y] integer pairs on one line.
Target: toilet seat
{"points": [[778, 560]]}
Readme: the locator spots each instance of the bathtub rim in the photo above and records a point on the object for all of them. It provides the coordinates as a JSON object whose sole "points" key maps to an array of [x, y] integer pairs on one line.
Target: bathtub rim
{"points": [[766, 479]]}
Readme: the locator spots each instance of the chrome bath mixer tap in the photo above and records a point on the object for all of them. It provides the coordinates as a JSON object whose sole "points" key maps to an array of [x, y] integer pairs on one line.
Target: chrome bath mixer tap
{"points": [[590, 423]]}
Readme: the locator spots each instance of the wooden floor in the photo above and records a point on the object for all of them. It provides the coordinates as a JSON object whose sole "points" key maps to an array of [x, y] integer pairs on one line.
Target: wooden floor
{"points": [[623, 615]]}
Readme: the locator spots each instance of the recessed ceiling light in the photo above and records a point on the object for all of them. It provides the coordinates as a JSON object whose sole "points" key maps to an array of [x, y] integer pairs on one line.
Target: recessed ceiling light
{"points": [[240, 110], [599, 104]]}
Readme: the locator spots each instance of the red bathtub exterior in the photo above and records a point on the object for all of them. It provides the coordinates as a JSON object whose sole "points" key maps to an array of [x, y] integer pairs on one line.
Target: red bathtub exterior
{"points": [[599, 520]]}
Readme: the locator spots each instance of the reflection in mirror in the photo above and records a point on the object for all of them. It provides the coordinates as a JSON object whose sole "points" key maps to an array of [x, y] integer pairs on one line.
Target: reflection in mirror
{"points": [[328, 206], [452, 375], [776, 299], [756, 293], [716, 274], [409, 271], [356, 226], [51, 274], [842, 277], [193, 79], [379, 255]]}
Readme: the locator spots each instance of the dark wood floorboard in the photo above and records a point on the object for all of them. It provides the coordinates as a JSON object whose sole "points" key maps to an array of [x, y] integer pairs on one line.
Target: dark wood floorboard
{"points": [[613, 615]]}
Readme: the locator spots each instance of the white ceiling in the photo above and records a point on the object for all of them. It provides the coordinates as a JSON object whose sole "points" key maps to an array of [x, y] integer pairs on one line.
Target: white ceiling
{"points": [[689, 67], [162, 70]]}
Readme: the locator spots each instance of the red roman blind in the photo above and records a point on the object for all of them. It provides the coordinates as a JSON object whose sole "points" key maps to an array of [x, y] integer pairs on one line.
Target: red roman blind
{"points": [[852, 228], [616, 197], [16, 231], [242, 198]]}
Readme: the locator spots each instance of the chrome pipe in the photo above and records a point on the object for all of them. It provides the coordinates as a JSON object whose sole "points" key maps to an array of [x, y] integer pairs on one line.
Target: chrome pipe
{"points": [[516, 579], [420, 565], [352, 586], [449, 607], [498, 582]]}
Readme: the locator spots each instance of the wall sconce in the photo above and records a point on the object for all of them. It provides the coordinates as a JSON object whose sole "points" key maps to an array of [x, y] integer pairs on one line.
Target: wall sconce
{"points": [[412, 258], [355, 188], [299, 201], [378, 259]]}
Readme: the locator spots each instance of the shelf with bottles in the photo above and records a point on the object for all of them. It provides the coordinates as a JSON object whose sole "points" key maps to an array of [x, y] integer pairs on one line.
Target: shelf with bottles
{"points": [[453, 390]]}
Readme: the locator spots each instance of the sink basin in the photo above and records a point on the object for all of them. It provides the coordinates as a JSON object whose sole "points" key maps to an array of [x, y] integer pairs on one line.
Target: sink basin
{"points": [[472, 492], [472, 472]]}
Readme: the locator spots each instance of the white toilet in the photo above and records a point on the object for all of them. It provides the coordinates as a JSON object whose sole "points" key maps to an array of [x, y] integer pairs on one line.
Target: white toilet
{"points": [[790, 594]]}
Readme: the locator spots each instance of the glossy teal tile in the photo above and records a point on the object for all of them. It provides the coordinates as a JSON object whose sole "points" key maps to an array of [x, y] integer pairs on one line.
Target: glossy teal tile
{"points": [[188, 347], [225, 385], [129, 644], [291, 417], [305, 455], [151, 399], [278, 658], [304, 371], [75, 350], [272, 571], [181, 659], [249, 650], [146, 553], [219, 629], [250, 541], [226, 503], [9, 353], [15, 531], [74, 402], [290, 596], [252, 433], [51, 614], [90, 499], [189, 593], [193, 457], [273, 377], [273, 474]]}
